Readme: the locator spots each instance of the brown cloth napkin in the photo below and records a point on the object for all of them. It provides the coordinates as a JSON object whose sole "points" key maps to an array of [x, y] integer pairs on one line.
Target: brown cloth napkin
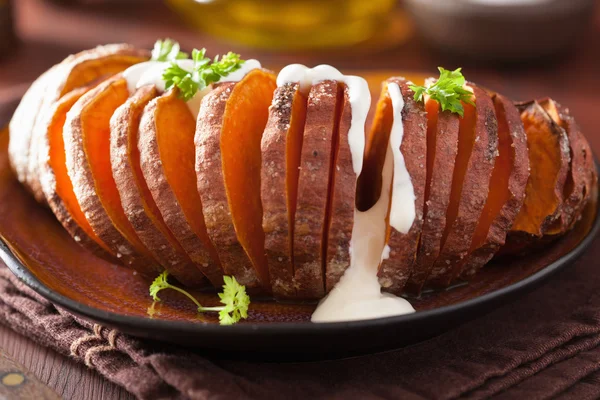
{"points": [[544, 345]]}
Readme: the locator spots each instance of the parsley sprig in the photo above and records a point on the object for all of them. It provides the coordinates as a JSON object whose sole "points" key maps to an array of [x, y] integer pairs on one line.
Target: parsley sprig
{"points": [[448, 90], [204, 72], [167, 50], [234, 298]]}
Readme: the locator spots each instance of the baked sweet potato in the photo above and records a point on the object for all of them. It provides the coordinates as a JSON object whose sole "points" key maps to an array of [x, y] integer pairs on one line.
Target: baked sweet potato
{"points": [[86, 136], [549, 159], [396, 269], [342, 191], [507, 188], [442, 147], [75, 71], [582, 172], [166, 150], [281, 149], [55, 180], [136, 198], [477, 152], [228, 138], [312, 218]]}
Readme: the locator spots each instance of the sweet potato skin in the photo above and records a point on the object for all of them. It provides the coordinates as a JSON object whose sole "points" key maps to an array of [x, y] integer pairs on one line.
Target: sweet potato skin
{"points": [[443, 137], [531, 222], [516, 142], [90, 116], [395, 271], [221, 154], [473, 194], [582, 172], [167, 116], [76, 71], [52, 161], [311, 228], [137, 201], [342, 191], [281, 150]]}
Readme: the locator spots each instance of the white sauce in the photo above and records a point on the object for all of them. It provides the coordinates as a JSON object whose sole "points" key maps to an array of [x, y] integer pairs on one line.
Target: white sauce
{"points": [[357, 295], [151, 72], [359, 96], [402, 213]]}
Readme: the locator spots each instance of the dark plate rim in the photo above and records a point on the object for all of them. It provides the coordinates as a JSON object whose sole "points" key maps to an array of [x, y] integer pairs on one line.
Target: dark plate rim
{"points": [[136, 322]]}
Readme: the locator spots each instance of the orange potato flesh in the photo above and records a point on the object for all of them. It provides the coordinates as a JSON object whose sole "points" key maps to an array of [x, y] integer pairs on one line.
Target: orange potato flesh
{"points": [[75, 71], [442, 145], [549, 164], [63, 185], [368, 186], [175, 128], [466, 142], [293, 157], [244, 122], [499, 192], [339, 215], [87, 130], [136, 198], [507, 188], [477, 151]]}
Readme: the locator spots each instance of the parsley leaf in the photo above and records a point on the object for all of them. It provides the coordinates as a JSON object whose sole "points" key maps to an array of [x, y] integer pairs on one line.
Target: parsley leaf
{"points": [[234, 298], [204, 72], [448, 91], [167, 50]]}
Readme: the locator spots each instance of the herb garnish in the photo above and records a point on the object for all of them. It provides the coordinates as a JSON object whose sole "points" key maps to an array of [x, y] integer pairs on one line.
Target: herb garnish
{"points": [[167, 50], [204, 72], [234, 298], [448, 90]]}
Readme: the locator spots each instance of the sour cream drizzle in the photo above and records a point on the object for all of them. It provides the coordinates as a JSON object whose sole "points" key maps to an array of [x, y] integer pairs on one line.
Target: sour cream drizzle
{"points": [[151, 73], [358, 294], [358, 95], [402, 213]]}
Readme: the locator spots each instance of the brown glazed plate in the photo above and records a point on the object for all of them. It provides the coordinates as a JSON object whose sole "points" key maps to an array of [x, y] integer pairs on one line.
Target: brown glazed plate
{"points": [[42, 254]]}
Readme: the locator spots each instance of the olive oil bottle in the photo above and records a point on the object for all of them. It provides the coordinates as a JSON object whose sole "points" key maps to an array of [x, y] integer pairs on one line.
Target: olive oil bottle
{"points": [[288, 24]]}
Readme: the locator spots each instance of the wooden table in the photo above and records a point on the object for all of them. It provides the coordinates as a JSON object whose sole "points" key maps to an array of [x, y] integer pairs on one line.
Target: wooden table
{"points": [[48, 33]]}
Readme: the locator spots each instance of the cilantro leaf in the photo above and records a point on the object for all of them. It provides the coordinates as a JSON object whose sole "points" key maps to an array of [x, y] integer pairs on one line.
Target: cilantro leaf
{"points": [[234, 298], [167, 50], [448, 91], [204, 72]]}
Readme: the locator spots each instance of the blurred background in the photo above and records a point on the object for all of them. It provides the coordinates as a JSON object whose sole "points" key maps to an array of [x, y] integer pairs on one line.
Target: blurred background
{"points": [[523, 48]]}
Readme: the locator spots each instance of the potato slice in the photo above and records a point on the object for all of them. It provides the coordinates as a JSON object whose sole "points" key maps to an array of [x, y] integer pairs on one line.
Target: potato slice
{"points": [[166, 146], [136, 198], [507, 188], [55, 180], [87, 146], [396, 269], [23, 121], [477, 152], [228, 138], [75, 71], [442, 147], [582, 171], [314, 191], [549, 162], [342, 192], [281, 149]]}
